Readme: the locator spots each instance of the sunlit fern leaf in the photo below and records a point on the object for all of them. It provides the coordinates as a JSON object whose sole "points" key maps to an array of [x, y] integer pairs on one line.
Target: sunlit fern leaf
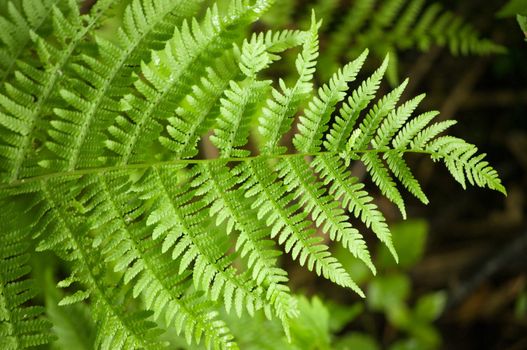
{"points": [[191, 236], [21, 325], [324, 211], [394, 121], [313, 124], [349, 113], [227, 203], [351, 192], [414, 126], [277, 115], [374, 165], [400, 169], [289, 226], [463, 163], [383, 179]]}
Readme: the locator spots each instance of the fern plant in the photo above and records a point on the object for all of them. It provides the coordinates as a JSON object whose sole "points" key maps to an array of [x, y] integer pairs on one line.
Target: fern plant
{"points": [[99, 141]]}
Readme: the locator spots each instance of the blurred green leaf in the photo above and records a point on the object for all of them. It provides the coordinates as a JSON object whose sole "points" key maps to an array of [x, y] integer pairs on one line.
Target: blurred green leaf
{"points": [[430, 306], [512, 8], [386, 292], [425, 335], [311, 329], [72, 324], [522, 21], [341, 315], [400, 316], [409, 239], [356, 268], [357, 341], [406, 344], [520, 309]]}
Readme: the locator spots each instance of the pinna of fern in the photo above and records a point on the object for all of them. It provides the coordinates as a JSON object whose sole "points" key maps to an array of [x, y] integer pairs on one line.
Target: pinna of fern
{"points": [[157, 239]]}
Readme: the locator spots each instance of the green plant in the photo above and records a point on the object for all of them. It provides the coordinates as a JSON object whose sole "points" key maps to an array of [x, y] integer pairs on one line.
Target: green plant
{"points": [[99, 140]]}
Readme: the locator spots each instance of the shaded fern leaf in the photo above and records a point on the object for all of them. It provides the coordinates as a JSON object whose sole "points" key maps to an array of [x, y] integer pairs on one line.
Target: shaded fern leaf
{"points": [[20, 19], [60, 227], [125, 241], [94, 92], [32, 95], [396, 25], [165, 83], [21, 326]]}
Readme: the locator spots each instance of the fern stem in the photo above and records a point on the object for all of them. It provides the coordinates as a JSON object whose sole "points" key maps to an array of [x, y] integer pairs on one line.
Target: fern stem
{"points": [[147, 165]]}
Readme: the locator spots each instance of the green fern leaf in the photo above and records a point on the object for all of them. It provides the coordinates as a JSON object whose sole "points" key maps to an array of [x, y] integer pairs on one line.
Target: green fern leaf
{"points": [[313, 125], [277, 116]]}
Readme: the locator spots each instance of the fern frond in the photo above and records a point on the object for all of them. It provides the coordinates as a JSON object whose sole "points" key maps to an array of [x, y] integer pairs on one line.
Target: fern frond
{"points": [[101, 80], [376, 115], [383, 179], [394, 121], [198, 109], [395, 25], [324, 211], [461, 160], [313, 125], [186, 57], [347, 189], [414, 126], [28, 101], [16, 27], [125, 242], [374, 165], [62, 230], [150, 232], [240, 102], [277, 115], [21, 326], [351, 22], [400, 169], [188, 232], [349, 113], [290, 227], [228, 204]]}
